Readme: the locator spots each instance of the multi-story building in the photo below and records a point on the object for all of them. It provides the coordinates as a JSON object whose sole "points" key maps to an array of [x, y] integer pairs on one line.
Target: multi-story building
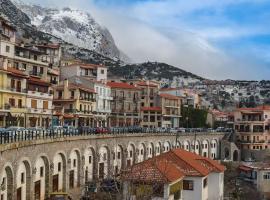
{"points": [[12, 82], [103, 104], [125, 104], [89, 71], [252, 129], [12, 96], [74, 104], [39, 103], [171, 110]]}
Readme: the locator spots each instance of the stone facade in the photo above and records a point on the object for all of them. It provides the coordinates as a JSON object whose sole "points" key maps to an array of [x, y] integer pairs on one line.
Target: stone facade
{"points": [[66, 163]]}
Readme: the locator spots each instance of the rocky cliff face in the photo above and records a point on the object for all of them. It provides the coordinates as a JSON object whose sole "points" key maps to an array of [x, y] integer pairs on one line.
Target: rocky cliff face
{"points": [[73, 26]]}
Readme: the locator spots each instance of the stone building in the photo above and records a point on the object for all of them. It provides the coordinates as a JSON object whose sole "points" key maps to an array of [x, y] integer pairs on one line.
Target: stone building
{"points": [[125, 104]]}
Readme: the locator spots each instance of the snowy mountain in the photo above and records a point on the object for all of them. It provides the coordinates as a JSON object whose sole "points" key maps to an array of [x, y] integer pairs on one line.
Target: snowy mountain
{"points": [[73, 26]]}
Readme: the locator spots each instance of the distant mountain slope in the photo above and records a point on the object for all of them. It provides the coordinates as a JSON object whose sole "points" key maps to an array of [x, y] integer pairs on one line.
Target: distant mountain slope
{"points": [[74, 26]]}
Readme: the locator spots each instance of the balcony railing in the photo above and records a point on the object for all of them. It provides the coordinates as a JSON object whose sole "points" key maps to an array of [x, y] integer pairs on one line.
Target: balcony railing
{"points": [[34, 73]]}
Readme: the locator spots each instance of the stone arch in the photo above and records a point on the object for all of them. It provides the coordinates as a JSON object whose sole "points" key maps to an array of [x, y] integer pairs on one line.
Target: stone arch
{"points": [[59, 172], [214, 148], [167, 146], [41, 176], [131, 151], [186, 145], [178, 144], [196, 146], [75, 168], [151, 150], [103, 162], [158, 148], [118, 156], [89, 164], [205, 148], [142, 152], [235, 155], [227, 153], [7, 182], [23, 179]]}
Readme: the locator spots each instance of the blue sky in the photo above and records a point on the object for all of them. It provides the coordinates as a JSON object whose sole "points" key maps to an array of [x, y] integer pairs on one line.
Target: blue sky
{"points": [[218, 39]]}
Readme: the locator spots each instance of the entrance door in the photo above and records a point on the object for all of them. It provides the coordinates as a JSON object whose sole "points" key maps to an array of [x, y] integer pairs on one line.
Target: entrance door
{"points": [[128, 163], [101, 170], [71, 179], [37, 190], [19, 194], [55, 183]]}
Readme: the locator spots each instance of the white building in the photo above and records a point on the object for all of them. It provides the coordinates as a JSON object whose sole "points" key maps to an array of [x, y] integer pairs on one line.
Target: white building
{"points": [[89, 71], [103, 104], [178, 174]]}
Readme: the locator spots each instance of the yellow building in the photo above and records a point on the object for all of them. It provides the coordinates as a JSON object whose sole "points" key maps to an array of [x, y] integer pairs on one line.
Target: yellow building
{"points": [[12, 96]]}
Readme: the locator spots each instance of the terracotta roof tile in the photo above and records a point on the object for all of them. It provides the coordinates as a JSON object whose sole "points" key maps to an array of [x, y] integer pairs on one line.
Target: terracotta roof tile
{"points": [[121, 85], [171, 166], [169, 96], [151, 108], [16, 72]]}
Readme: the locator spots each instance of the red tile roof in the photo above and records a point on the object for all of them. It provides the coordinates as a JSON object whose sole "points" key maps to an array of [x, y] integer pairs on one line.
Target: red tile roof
{"points": [[16, 72], [121, 85], [151, 108], [171, 166], [144, 83], [169, 96], [38, 81], [86, 66], [76, 86]]}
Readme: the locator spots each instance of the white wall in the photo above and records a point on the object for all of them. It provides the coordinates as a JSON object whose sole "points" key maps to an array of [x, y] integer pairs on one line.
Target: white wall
{"points": [[22, 185], [74, 166], [101, 76], [37, 177], [198, 193], [58, 159], [3, 192], [215, 186], [89, 163], [103, 158], [141, 153]]}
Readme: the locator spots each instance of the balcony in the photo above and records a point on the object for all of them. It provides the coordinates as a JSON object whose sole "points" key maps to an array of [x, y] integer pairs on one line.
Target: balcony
{"points": [[70, 111], [34, 73], [17, 90], [40, 94], [39, 110]]}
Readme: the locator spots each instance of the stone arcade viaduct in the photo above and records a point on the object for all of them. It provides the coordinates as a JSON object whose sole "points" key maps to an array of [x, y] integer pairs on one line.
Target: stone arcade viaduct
{"points": [[33, 169]]}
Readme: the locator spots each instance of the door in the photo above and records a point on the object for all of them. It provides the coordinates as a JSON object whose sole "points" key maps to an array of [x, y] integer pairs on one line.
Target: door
{"points": [[101, 170], [19, 194], [37, 190], [55, 183], [71, 179]]}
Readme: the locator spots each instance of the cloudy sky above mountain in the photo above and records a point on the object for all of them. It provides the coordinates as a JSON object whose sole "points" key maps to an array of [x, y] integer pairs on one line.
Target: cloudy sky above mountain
{"points": [[213, 38]]}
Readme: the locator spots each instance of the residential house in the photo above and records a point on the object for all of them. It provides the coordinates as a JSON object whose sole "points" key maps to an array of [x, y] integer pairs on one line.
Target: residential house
{"points": [[176, 174], [257, 173]]}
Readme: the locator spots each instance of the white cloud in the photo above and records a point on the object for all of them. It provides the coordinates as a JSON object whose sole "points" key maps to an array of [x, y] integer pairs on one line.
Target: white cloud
{"points": [[150, 31]]}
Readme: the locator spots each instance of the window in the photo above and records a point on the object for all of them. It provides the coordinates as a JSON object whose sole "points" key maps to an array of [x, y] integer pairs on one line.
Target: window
{"points": [[118, 155], [74, 163], [60, 94], [104, 156], [7, 49], [22, 178], [19, 103], [102, 71], [41, 70], [41, 171], [188, 185], [12, 83], [72, 94], [59, 167], [130, 153], [266, 176], [12, 102], [33, 103], [204, 182], [45, 105], [90, 159]]}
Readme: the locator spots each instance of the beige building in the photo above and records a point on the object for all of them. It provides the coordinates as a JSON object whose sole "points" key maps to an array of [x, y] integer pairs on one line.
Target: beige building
{"points": [[171, 110], [125, 104], [252, 127], [74, 104]]}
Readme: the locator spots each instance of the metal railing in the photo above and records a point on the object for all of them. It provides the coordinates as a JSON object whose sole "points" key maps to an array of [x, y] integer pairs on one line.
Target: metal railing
{"points": [[7, 137]]}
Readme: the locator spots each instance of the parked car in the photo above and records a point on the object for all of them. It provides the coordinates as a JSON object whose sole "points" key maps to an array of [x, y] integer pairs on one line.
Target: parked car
{"points": [[173, 130], [56, 130], [70, 130], [101, 130]]}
